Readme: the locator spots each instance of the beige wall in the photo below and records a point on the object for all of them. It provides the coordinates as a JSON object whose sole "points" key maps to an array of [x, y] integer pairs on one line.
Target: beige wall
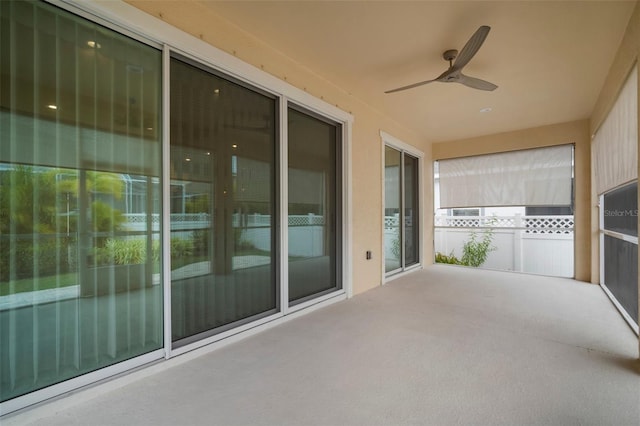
{"points": [[576, 132], [366, 226]]}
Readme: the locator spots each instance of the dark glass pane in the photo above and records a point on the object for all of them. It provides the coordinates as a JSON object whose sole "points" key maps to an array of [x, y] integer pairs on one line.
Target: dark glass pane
{"points": [[222, 202], [314, 208], [621, 273], [621, 210]]}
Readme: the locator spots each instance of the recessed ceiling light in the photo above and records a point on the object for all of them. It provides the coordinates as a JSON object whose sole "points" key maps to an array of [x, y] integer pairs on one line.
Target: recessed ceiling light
{"points": [[93, 44], [149, 128], [208, 153], [52, 106], [187, 159], [234, 146], [486, 109], [216, 91]]}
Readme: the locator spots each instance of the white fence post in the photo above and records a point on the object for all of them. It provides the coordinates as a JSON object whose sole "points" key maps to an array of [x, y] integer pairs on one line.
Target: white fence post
{"points": [[517, 243]]}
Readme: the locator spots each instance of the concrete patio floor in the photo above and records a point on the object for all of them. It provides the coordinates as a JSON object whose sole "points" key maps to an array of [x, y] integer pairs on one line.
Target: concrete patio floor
{"points": [[445, 345]]}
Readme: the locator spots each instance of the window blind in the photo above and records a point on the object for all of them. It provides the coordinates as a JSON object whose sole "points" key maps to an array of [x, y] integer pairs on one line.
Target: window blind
{"points": [[615, 145], [534, 177]]}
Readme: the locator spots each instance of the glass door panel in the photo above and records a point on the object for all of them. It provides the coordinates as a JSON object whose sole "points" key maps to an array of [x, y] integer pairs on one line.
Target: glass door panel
{"points": [[223, 140], [314, 206]]}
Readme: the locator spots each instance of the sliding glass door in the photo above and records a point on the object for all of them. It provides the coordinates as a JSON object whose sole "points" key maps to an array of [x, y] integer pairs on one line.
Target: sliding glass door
{"points": [[401, 210], [223, 149]]}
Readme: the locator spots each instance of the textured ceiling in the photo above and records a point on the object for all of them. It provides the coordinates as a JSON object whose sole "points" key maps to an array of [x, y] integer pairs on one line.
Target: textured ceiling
{"points": [[549, 59]]}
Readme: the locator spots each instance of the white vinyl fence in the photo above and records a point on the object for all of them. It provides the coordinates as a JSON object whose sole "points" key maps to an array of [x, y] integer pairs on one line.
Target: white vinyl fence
{"points": [[532, 244], [305, 231]]}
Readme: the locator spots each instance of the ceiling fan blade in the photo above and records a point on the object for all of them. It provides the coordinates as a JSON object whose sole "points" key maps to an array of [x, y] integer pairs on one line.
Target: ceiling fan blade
{"points": [[471, 48], [476, 83], [411, 86]]}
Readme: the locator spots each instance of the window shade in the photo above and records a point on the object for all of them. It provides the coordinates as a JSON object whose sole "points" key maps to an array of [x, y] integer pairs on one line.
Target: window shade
{"points": [[535, 177], [615, 146]]}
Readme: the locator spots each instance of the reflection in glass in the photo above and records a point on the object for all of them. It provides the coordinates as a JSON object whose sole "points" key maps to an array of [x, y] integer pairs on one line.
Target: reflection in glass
{"points": [[79, 197], [222, 203], [392, 202], [314, 208]]}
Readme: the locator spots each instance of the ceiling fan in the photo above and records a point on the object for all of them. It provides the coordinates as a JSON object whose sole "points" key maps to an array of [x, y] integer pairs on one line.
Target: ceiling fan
{"points": [[454, 73]]}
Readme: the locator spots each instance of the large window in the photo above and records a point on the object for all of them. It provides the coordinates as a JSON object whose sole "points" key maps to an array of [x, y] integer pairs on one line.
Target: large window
{"points": [[223, 139], [79, 191]]}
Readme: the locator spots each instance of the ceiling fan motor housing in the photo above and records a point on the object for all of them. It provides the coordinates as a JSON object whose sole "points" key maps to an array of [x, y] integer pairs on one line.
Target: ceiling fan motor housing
{"points": [[450, 55]]}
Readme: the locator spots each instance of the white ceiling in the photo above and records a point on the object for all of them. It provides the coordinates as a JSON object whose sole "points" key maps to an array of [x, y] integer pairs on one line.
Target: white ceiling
{"points": [[548, 58]]}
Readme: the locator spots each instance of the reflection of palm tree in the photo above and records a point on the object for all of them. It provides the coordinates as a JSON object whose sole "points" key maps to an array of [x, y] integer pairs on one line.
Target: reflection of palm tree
{"points": [[96, 182], [104, 217], [27, 202], [31, 205]]}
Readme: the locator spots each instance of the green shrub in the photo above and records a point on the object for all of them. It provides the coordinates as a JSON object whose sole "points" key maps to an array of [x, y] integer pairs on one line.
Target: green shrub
{"points": [[451, 259], [474, 251], [134, 251], [43, 256], [122, 252], [181, 248]]}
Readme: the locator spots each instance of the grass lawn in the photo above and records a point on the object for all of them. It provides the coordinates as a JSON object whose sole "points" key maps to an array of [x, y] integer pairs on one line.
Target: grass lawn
{"points": [[42, 283], [71, 278]]}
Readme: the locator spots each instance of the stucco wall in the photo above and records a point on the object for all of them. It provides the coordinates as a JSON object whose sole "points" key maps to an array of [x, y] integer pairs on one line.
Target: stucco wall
{"points": [[366, 226], [576, 132]]}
